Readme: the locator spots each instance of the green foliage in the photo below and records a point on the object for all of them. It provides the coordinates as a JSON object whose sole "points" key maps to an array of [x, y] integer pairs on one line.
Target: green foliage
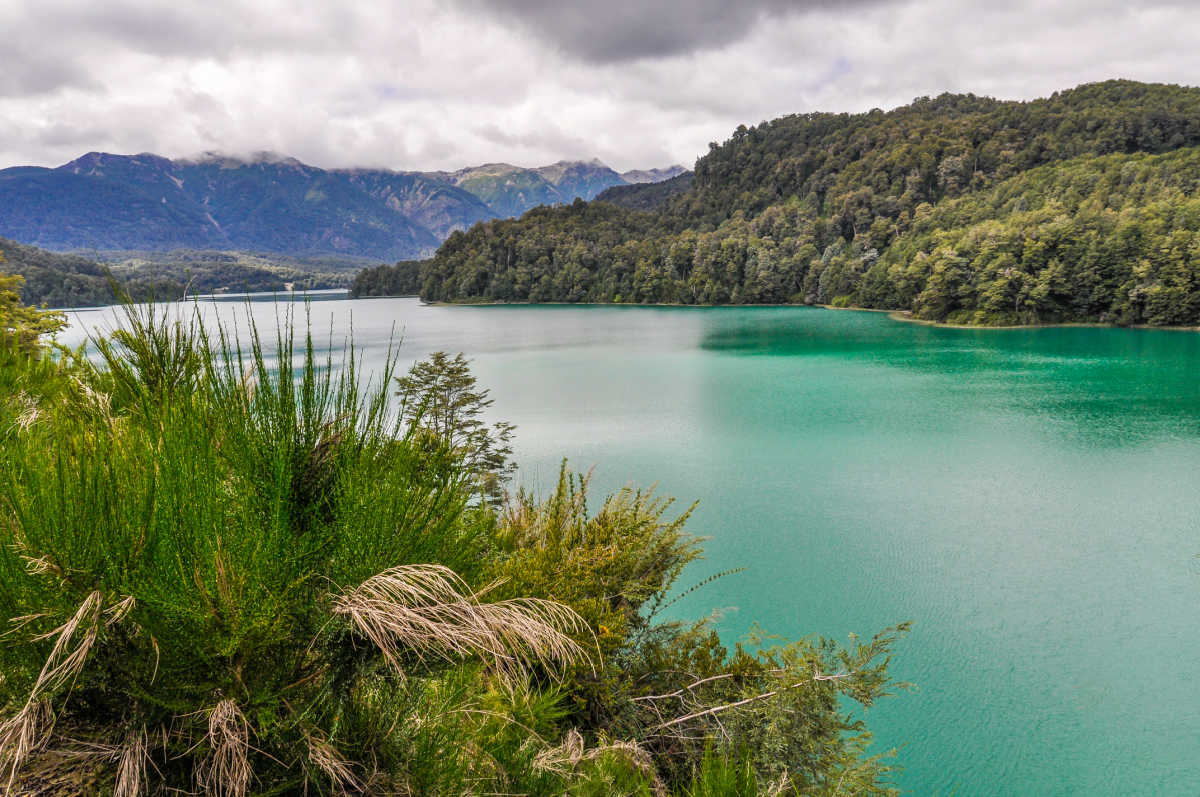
{"points": [[21, 326], [1078, 207], [402, 279], [233, 568], [723, 776], [438, 397], [770, 708], [199, 517]]}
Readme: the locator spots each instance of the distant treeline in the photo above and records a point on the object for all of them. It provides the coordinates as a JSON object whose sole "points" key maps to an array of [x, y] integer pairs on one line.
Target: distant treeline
{"points": [[402, 279], [65, 280], [1078, 207]]}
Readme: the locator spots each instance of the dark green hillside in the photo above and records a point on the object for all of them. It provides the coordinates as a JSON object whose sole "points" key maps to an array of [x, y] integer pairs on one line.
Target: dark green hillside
{"points": [[58, 280], [647, 196], [1088, 195], [402, 279]]}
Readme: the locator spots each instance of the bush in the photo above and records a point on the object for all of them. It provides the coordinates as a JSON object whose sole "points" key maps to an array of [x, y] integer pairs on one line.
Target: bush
{"points": [[241, 560], [239, 570]]}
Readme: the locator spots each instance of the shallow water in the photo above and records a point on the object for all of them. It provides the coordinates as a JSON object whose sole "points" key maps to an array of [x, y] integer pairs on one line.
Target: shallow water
{"points": [[1027, 497]]}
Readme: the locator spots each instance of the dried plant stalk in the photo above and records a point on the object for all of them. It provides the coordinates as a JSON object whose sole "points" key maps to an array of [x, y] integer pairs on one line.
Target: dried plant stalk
{"points": [[427, 610], [326, 757], [22, 734], [565, 758], [30, 729], [225, 772], [131, 767]]}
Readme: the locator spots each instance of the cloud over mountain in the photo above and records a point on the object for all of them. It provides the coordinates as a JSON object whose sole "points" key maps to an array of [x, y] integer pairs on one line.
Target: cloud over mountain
{"points": [[425, 84]]}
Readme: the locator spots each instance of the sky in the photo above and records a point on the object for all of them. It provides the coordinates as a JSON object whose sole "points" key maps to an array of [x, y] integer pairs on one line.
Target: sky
{"points": [[416, 85]]}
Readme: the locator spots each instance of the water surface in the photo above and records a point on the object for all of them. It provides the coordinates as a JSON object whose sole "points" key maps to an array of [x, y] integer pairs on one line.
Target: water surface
{"points": [[1027, 497]]}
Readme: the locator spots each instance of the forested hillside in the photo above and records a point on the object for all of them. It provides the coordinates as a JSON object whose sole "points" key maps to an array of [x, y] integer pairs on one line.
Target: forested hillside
{"points": [[1078, 207], [58, 280], [402, 279]]}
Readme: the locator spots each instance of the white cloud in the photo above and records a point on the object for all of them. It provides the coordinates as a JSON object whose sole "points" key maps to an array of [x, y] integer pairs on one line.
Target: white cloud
{"points": [[428, 85]]}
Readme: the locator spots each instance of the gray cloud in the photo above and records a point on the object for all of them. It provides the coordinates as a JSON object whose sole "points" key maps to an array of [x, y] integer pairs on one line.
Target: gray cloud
{"points": [[623, 30], [431, 84]]}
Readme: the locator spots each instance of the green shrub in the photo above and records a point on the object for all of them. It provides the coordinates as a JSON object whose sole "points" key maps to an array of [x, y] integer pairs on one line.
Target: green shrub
{"points": [[236, 572], [237, 569]]}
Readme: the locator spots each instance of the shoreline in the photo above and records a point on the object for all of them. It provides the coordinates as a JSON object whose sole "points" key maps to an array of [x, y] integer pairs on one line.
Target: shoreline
{"points": [[895, 315]]}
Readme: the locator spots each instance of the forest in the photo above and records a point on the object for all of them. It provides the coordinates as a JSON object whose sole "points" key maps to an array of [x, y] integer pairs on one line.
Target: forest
{"points": [[1080, 207], [401, 279], [69, 280]]}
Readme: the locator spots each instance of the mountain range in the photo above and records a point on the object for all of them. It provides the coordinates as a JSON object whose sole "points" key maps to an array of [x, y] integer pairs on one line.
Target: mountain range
{"points": [[269, 203]]}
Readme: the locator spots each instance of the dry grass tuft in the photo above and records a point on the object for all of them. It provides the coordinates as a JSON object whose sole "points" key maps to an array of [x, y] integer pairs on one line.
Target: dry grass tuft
{"points": [[70, 650], [567, 757], [326, 757], [40, 566], [226, 770], [30, 729], [427, 610], [131, 767], [119, 610], [30, 412], [100, 402], [24, 734]]}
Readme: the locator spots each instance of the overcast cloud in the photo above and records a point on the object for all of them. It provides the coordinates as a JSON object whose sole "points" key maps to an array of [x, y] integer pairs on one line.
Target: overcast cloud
{"points": [[439, 85]]}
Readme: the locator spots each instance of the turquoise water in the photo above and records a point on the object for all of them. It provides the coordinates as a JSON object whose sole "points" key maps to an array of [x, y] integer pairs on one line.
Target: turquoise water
{"points": [[1028, 498]]}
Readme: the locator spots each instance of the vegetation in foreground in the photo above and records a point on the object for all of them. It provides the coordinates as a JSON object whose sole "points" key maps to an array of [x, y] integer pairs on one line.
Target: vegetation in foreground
{"points": [[235, 569], [1081, 207]]}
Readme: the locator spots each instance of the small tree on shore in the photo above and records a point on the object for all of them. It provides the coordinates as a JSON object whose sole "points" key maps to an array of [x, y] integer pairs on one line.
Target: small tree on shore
{"points": [[439, 396], [21, 324]]}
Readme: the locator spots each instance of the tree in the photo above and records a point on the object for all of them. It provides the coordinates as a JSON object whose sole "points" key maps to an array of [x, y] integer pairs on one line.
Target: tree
{"points": [[438, 396], [20, 324]]}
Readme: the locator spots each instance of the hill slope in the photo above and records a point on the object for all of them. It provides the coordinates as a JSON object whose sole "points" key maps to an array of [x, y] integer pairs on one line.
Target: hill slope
{"points": [[958, 208], [58, 280]]}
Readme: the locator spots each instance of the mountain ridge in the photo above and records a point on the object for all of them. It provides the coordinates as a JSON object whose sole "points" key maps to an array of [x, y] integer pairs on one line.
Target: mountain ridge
{"points": [[272, 203]]}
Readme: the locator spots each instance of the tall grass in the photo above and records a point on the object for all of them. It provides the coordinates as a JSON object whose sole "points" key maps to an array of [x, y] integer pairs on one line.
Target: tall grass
{"points": [[223, 563]]}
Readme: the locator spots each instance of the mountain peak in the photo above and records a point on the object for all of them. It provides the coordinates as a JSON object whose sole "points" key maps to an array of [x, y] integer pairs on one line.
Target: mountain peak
{"points": [[227, 160]]}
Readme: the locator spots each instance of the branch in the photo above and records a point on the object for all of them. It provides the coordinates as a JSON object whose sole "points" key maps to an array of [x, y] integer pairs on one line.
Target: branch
{"points": [[754, 699]]}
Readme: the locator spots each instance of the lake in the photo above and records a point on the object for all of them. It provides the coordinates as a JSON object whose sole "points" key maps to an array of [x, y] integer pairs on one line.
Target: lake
{"points": [[1028, 498]]}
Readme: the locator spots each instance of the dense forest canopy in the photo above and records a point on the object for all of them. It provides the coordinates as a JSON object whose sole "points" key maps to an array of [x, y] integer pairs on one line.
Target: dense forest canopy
{"points": [[402, 279], [1077, 207]]}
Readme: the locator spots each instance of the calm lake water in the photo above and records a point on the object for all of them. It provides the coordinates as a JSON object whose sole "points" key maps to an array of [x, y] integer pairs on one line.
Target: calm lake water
{"points": [[1029, 498]]}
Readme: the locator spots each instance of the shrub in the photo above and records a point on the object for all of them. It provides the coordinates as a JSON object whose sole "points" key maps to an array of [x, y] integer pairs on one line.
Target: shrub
{"points": [[236, 570]]}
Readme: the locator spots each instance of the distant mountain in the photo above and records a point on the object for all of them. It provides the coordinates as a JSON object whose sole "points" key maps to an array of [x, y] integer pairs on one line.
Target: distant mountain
{"points": [[511, 190], [652, 175], [274, 204]]}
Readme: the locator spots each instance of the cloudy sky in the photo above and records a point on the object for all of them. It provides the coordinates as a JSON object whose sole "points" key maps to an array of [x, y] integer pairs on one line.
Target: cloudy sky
{"points": [[410, 84]]}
